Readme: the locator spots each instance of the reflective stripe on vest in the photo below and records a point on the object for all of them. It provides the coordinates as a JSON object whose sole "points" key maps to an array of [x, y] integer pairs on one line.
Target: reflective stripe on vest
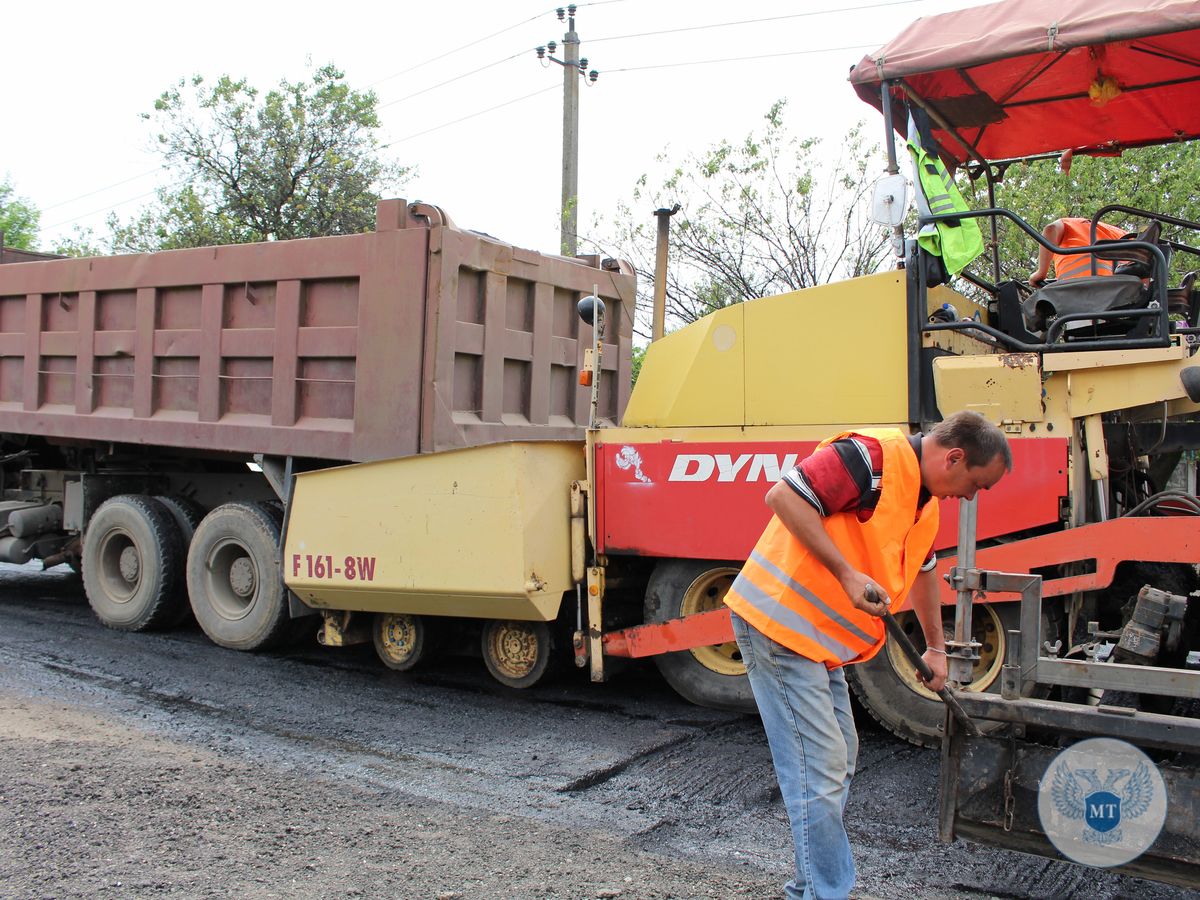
{"points": [[854, 639], [788, 595], [1078, 233]]}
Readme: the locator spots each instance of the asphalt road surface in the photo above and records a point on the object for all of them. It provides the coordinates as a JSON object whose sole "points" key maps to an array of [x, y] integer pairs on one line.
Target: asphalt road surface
{"points": [[156, 764]]}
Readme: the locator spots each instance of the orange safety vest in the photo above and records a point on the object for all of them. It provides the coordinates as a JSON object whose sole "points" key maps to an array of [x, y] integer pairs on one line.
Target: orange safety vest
{"points": [[1078, 233], [788, 595]]}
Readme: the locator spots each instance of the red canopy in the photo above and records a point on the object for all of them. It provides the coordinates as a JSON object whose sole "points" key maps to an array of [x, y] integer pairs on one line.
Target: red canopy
{"points": [[1022, 77]]}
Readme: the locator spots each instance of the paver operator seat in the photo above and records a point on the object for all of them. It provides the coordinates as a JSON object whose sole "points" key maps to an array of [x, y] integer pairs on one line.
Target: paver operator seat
{"points": [[1128, 288]]}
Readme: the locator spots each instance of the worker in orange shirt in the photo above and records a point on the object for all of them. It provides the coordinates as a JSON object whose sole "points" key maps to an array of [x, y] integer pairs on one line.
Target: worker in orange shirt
{"points": [[850, 538], [1073, 232]]}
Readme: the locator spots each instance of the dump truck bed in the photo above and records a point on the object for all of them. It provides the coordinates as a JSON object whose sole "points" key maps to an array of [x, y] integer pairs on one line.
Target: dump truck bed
{"points": [[414, 338]]}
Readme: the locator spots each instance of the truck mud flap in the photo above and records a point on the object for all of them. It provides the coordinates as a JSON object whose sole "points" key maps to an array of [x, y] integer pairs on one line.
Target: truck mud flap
{"points": [[991, 786]]}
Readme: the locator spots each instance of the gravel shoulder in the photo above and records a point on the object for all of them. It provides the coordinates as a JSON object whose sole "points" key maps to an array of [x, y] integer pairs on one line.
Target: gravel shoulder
{"points": [[140, 765], [93, 807]]}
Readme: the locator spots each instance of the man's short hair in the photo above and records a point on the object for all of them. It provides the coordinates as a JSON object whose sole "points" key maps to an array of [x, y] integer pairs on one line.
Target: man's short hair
{"points": [[979, 439]]}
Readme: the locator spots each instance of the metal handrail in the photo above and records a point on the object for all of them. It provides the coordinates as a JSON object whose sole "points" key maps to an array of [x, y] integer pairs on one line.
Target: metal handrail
{"points": [[1160, 284]]}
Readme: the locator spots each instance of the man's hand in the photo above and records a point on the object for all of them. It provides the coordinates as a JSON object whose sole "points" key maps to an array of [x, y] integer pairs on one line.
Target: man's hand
{"points": [[937, 664], [865, 594], [1037, 278]]}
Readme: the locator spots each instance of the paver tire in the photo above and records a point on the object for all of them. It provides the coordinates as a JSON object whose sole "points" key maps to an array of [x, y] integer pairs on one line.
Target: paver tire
{"points": [[708, 676]]}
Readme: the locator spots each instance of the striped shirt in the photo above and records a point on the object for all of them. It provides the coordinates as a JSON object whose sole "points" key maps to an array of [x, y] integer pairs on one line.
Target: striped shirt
{"points": [[845, 477]]}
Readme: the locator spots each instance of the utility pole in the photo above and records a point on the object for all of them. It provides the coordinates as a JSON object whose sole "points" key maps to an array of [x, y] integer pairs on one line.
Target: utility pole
{"points": [[574, 68]]}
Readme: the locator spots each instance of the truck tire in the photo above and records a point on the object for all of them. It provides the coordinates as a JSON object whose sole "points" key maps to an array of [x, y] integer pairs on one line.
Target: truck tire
{"points": [[236, 588], [708, 676], [889, 690], [187, 513], [517, 654], [132, 561]]}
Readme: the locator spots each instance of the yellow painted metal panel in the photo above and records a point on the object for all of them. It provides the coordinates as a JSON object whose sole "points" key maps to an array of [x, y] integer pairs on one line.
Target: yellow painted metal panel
{"points": [[693, 376], [829, 355], [681, 434], [1102, 359], [834, 354], [482, 532], [1093, 391], [1002, 387], [960, 343]]}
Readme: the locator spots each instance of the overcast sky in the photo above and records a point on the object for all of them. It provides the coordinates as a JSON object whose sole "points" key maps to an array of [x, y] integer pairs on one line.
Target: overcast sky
{"points": [[79, 75]]}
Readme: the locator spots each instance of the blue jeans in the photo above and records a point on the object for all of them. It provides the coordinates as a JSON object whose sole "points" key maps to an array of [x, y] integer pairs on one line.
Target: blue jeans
{"points": [[805, 710]]}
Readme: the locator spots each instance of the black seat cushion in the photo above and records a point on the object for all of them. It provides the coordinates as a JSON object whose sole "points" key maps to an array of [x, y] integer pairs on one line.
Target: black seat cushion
{"points": [[1099, 293]]}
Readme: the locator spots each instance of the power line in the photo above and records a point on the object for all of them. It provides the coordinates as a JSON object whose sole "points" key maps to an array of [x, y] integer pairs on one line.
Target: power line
{"points": [[114, 205], [803, 15], [454, 79], [101, 190], [381, 147], [466, 46], [506, 103], [368, 87], [705, 62], [466, 117]]}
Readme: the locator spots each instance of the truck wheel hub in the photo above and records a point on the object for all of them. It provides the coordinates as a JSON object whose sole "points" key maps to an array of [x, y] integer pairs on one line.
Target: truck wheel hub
{"points": [[241, 577], [129, 564]]}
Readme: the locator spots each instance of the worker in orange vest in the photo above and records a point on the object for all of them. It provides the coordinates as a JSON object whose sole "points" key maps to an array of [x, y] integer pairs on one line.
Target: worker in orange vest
{"points": [[1067, 233], [851, 535]]}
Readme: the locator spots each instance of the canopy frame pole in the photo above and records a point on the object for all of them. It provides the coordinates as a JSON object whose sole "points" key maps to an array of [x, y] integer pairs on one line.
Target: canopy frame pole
{"points": [[974, 154], [893, 166]]}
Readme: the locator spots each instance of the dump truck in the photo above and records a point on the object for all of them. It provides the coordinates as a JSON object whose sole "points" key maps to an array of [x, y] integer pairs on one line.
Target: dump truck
{"points": [[139, 393]]}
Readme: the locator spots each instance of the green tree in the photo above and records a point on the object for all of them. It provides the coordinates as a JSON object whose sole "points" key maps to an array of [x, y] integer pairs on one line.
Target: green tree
{"points": [[1163, 179], [766, 215], [18, 218], [82, 242], [301, 160], [638, 356]]}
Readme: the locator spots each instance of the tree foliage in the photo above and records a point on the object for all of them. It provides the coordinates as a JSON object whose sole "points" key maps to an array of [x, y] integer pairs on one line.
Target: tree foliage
{"points": [[1163, 179], [301, 160], [18, 218], [763, 216]]}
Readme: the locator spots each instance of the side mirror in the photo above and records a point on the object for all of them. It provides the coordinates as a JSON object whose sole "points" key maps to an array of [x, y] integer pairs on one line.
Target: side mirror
{"points": [[890, 200]]}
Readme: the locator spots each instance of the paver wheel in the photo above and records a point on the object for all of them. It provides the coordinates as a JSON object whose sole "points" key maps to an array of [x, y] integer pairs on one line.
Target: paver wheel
{"points": [[890, 691], [707, 676], [517, 653], [402, 641], [236, 589], [133, 560]]}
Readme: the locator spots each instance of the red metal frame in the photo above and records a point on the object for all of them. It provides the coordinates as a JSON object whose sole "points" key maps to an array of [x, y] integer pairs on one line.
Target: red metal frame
{"points": [[694, 500], [1101, 546]]}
